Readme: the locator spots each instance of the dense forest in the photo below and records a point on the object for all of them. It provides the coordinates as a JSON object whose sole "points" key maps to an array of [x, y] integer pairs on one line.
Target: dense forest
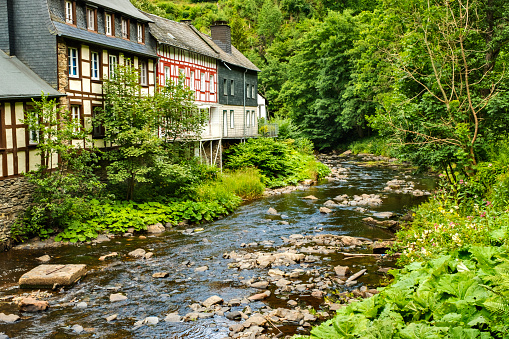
{"points": [[429, 75]]}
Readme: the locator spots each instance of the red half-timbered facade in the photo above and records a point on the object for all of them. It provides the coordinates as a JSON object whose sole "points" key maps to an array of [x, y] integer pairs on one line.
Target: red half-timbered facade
{"points": [[199, 70]]}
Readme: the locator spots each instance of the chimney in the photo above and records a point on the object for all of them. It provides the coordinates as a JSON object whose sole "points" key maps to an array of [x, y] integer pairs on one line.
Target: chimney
{"points": [[222, 35], [186, 21]]}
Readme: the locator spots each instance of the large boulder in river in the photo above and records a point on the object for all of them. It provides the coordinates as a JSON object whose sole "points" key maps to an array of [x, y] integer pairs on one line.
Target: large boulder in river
{"points": [[156, 228], [213, 301], [325, 210], [272, 211]]}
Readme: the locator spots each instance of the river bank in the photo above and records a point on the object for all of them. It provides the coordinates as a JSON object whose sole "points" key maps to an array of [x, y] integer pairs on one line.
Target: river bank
{"points": [[236, 258]]}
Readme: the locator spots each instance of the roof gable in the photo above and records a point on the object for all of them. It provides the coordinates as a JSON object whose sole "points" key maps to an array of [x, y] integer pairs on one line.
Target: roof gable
{"points": [[122, 6]]}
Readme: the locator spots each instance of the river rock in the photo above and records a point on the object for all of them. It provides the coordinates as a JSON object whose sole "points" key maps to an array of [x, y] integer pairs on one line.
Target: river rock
{"points": [[257, 320], [173, 318], [291, 303], [160, 275], [117, 297], [107, 256], [260, 284], [8, 318], [330, 203], [44, 258], [342, 271], [325, 210], [32, 305], [156, 228], [81, 305], [148, 255], [272, 211], [137, 253], [201, 269], [111, 317], [317, 294], [213, 301], [151, 320], [235, 315], [50, 276], [310, 197], [3, 336], [383, 215], [259, 296], [381, 247], [77, 328]]}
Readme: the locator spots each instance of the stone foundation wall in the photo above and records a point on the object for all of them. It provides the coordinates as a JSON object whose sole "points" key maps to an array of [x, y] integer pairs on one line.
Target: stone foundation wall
{"points": [[15, 196]]}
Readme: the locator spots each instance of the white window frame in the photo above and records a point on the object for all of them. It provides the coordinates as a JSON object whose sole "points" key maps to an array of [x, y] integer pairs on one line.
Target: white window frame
{"points": [[167, 74], [33, 134], [94, 66], [202, 81], [248, 90], [140, 33], [232, 119], [191, 81], [232, 87], [76, 115], [109, 24], [69, 12], [211, 84], [247, 117], [253, 92], [225, 86], [143, 73], [91, 19], [253, 118], [72, 55], [112, 65], [125, 29]]}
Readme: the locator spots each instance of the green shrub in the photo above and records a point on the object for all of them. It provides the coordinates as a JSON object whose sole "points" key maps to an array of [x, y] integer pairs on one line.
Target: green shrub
{"points": [[462, 295], [373, 145]]}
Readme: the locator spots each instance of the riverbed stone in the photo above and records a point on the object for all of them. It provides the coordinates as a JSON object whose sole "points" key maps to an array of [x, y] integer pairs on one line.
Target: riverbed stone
{"points": [[156, 228], [173, 318], [260, 284], [107, 256], [8, 318], [111, 317], [310, 197], [272, 211], [342, 271], [81, 305], [256, 319], [259, 296], [201, 269], [49, 276], [325, 210], [44, 258], [117, 297], [214, 300], [160, 275], [32, 305], [137, 253], [235, 315]]}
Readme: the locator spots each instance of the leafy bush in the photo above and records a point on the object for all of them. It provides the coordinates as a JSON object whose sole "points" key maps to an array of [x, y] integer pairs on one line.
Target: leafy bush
{"points": [[373, 145], [460, 295]]}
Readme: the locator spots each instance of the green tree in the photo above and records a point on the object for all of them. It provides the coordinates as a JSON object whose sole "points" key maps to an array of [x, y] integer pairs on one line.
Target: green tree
{"points": [[270, 19], [130, 121]]}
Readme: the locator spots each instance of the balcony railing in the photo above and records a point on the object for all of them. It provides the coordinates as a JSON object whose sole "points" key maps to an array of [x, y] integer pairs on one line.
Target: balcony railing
{"points": [[268, 130]]}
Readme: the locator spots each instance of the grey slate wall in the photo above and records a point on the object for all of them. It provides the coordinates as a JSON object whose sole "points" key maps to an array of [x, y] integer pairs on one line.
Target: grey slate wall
{"points": [[236, 74], [4, 27], [32, 41]]}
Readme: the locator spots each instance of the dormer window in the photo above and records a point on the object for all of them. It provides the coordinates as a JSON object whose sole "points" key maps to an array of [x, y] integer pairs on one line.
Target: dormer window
{"points": [[125, 28], [91, 19], [141, 35], [109, 24], [69, 12]]}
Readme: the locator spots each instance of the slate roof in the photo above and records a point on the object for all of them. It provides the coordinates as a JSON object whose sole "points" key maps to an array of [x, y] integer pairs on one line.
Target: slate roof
{"points": [[122, 6], [187, 37], [20, 82], [102, 40]]}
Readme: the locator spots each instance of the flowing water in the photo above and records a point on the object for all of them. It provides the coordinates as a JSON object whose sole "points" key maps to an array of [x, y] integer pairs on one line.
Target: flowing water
{"points": [[148, 296]]}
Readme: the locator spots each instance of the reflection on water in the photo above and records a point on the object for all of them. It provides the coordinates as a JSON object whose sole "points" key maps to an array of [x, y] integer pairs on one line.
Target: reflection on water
{"points": [[157, 297]]}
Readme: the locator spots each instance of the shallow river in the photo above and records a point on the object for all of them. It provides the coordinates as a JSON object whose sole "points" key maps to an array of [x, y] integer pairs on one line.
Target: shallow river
{"points": [[149, 296]]}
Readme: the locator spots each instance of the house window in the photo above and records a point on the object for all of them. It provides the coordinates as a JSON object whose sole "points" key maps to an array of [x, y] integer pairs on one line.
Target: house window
{"points": [[109, 24], [33, 134], [232, 122], [112, 66], [202, 82], [191, 85], [91, 19], [69, 12], [125, 29], [143, 73], [253, 118], [140, 33], [232, 87], [248, 90], [253, 92], [167, 74], [247, 116], [73, 62], [98, 128], [225, 87], [76, 118], [211, 84], [95, 66]]}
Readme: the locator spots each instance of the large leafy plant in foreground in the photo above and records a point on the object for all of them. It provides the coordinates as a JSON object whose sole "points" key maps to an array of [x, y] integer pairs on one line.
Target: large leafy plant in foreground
{"points": [[455, 296]]}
